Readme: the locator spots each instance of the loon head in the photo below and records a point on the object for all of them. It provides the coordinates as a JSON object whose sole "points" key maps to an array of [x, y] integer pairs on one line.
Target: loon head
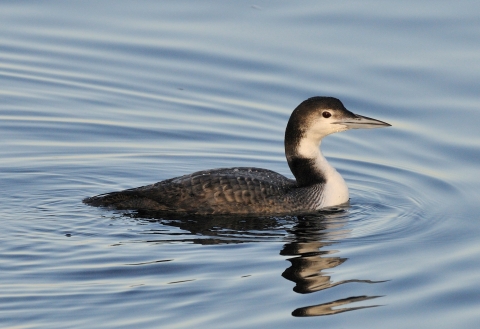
{"points": [[309, 123]]}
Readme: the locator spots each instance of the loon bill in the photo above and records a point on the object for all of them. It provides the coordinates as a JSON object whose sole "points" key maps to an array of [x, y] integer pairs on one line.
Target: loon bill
{"points": [[251, 191]]}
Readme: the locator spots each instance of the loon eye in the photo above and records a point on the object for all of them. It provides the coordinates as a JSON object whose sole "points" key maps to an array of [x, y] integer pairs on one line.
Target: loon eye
{"points": [[326, 114]]}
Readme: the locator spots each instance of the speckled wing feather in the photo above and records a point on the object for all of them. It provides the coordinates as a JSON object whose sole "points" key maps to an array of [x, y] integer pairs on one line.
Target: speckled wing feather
{"points": [[218, 191]]}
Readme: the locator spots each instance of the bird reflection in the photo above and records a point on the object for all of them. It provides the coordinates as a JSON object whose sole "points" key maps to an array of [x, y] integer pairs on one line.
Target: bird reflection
{"points": [[209, 230], [328, 308], [308, 267], [307, 238]]}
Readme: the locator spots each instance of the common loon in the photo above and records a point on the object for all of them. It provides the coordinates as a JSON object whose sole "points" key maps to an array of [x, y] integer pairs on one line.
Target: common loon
{"points": [[250, 191]]}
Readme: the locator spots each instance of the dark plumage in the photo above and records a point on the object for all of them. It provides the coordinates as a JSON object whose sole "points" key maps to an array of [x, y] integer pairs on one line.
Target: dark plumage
{"points": [[217, 191]]}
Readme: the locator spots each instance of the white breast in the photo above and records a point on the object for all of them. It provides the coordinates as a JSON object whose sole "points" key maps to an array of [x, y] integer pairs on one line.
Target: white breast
{"points": [[335, 190]]}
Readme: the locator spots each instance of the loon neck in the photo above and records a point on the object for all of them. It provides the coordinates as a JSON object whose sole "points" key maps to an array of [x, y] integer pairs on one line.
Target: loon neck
{"points": [[308, 164]]}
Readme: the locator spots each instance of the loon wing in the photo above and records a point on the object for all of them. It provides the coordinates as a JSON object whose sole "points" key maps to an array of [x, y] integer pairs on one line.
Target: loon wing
{"points": [[217, 191]]}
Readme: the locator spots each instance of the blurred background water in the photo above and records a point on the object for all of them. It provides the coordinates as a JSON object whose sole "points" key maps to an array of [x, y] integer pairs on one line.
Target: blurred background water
{"points": [[101, 96]]}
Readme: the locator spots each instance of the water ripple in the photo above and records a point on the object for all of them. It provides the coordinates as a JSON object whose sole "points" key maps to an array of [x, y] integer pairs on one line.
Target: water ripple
{"points": [[390, 204]]}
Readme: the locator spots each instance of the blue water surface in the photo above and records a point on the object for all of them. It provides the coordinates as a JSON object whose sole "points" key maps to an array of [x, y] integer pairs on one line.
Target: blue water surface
{"points": [[102, 96]]}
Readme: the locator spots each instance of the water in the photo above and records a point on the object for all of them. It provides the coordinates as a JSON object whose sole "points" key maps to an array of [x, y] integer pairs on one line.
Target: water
{"points": [[102, 96]]}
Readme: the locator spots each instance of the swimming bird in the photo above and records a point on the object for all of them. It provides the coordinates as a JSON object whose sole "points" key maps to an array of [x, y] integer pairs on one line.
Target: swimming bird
{"points": [[255, 191]]}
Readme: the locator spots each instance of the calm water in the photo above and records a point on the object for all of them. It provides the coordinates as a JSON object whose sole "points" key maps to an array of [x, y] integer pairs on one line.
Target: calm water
{"points": [[101, 96]]}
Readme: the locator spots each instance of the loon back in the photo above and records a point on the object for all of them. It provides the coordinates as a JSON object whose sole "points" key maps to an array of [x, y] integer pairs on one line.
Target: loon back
{"points": [[253, 190], [217, 191]]}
